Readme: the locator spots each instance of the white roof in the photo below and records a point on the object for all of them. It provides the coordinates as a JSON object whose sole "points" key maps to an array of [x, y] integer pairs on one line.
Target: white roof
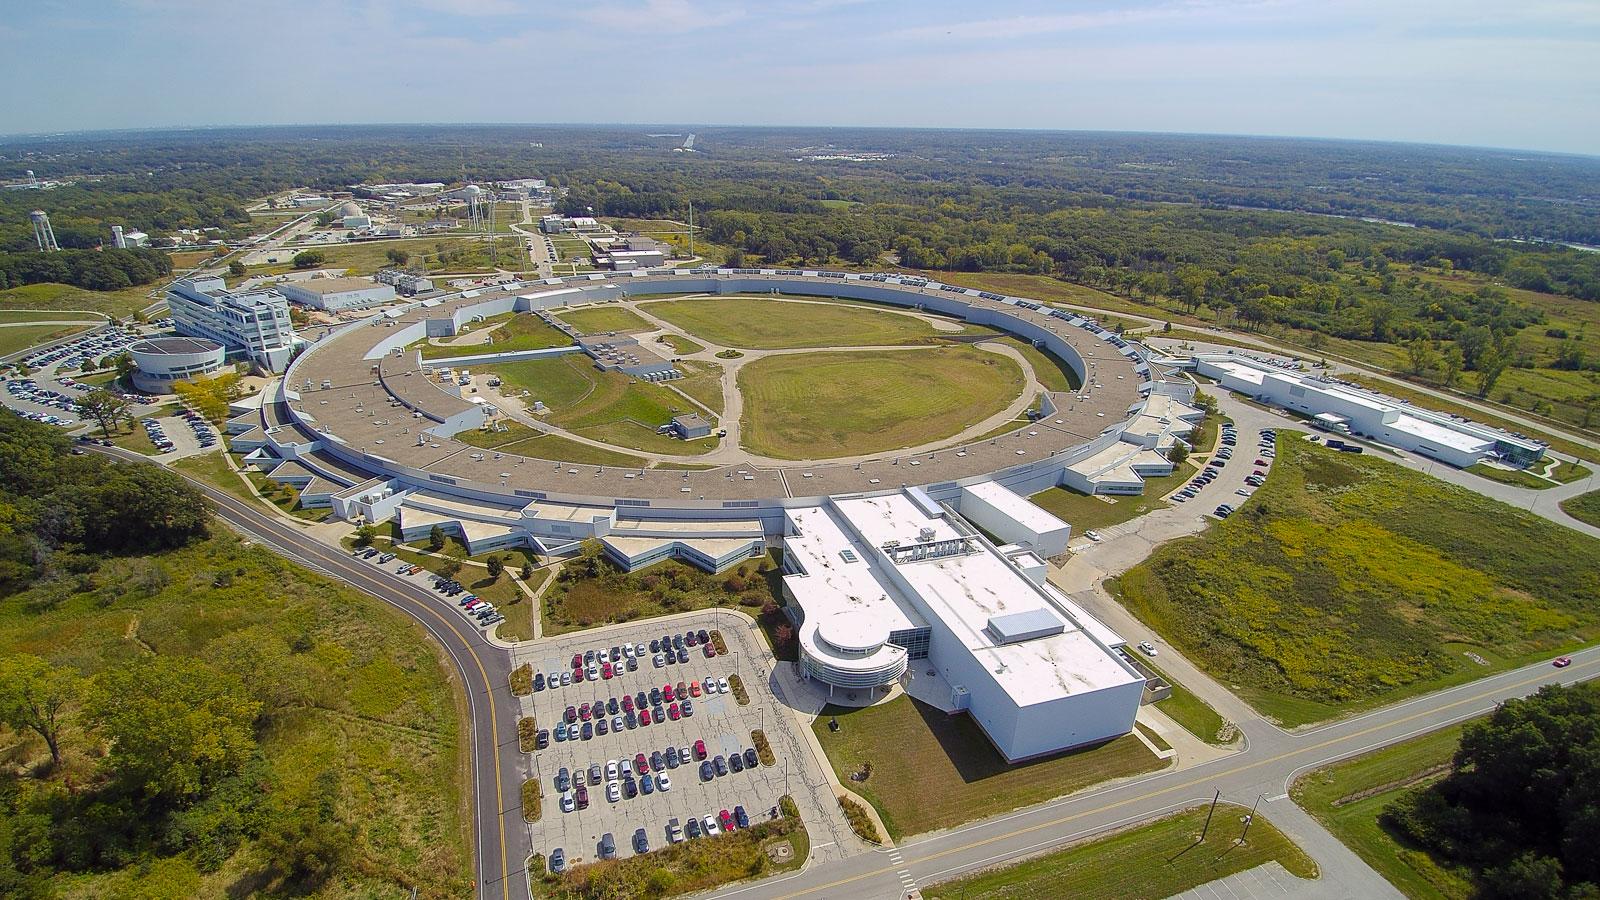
{"points": [[1438, 434], [965, 591], [1017, 508]]}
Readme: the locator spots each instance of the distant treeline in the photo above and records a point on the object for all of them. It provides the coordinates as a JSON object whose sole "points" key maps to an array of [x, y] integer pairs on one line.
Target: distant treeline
{"points": [[96, 270]]}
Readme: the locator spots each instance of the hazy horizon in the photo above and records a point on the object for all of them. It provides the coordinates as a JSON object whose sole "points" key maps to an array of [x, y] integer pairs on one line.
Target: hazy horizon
{"points": [[1470, 73]]}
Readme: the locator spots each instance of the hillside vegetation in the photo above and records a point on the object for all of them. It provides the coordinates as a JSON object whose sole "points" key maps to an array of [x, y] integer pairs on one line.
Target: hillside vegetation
{"points": [[1349, 581]]}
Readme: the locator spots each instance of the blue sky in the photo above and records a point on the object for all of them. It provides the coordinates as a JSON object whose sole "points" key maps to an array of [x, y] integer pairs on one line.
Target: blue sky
{"points": [[1503, 73]]}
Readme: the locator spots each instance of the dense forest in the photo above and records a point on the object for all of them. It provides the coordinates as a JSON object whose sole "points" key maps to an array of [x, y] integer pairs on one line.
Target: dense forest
{"points": [[1520, 806], [108, 270], [1251, 233]]}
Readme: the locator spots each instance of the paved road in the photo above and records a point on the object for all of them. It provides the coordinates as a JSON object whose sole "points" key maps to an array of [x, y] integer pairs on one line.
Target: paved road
{"points": [[500, 844], [1265, 768]]}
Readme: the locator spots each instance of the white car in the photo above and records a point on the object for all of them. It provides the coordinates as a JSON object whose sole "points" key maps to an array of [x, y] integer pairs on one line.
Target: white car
{"points": [[611, 770], [663, 783], [1092, 535], [1147, 648], [722, 685], [568, 801], [712, 829], [614, 791]]}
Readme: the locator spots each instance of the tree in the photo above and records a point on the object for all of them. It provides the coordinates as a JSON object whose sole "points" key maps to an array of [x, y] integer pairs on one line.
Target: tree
{"points": [[1452, 366], [451, 567], [496, 568], [1178, 453], [104, 407], [527, 571], [325, 217], [1420, 356], [1490, 364], [365, 535], [435, 539], [236, 267], [309, 259], [174, 726], [36, 696], [398, 257]]}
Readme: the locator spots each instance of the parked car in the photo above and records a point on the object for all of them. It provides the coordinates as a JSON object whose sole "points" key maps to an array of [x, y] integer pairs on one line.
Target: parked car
{"points": [[1147, 648]]}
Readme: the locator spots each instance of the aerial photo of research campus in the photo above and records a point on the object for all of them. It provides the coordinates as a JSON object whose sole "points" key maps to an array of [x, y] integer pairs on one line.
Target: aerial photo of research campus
{"points": [[800, 451]]}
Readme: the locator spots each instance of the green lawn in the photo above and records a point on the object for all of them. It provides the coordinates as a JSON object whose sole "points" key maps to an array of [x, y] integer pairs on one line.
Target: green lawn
{"points": [[16, 338], [703, 382], [1085, 512], [1351, 582], [359, 713], [768, 324], [1584, 507], [1565, 472], [568, 247], [1160, 859], [603, 319], [511, 331], [1054, 374], [679, 344], [118, 304], [809, 406], [1348, 797], [932, 771], [23, 316], [1195, 715], [212, 469], [435, 254], [525, 441]]}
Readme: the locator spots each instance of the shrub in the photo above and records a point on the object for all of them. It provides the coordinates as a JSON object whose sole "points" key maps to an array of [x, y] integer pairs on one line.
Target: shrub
{"points": [[531, 800], [763, 749], [527, 731], [739, 693], [860, 822], [719, 643], [522, 680]]}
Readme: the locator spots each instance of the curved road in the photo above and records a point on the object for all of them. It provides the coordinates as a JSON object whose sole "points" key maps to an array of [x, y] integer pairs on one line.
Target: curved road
{"points": [[500, 842]]}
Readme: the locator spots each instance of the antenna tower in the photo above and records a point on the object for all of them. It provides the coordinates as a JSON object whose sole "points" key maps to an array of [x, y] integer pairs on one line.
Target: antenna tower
{"points": [[43, 234]]}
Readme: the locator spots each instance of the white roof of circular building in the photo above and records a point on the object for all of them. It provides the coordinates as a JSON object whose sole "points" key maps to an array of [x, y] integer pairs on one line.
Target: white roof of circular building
{"points": [[350, 208], [852, 632]]}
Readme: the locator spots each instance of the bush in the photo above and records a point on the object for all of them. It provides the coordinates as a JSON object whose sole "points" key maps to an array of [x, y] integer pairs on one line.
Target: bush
{"points": [[522, 680], [309, 259], [860, 822], [532, 798], [763, 749], [527, 731], [739, 693], [719, 643]]}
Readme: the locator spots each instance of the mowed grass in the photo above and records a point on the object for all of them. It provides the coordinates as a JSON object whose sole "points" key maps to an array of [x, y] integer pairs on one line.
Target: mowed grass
{"points": [[511, 331], [1584, 507], [755, 323], [1348, 798], [1563, 473], [366, 703], [813, 406], [1084, 512], [522, 440], [16, 338], [603, 319], [1349, 582], [25, 316], [1160, 859], [117, 304], [1054, 374], [703, 382], [932, 771]]}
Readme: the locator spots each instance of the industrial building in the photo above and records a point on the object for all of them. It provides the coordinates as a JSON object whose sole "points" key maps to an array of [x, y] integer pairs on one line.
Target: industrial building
{"points": [[337, 293], [250, 325], [559, 224], [351, 216], [690, 427], [1349, 410], [162, 362], [877, 583], [404, 282]]}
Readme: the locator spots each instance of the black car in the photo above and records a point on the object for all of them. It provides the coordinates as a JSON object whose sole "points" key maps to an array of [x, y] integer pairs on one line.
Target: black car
{"points": [[703, 636], [720, 764], [542, 739], [600, 726], [630, 788], [751, 759], [736, 762], [658, 714], [631, 720], [692, 827], [655, 645], [683, 655], [588, 730], [740, 817], [677, 641], [640, 700], [706, 771], [538, 682], [655, 696], [616, 653], [657, 763], [611, 706]]}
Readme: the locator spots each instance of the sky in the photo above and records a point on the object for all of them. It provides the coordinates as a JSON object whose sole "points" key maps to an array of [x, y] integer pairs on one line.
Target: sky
{"points": [[1500, 73]]}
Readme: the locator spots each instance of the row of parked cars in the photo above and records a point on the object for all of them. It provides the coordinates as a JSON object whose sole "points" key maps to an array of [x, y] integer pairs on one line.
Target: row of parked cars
{"points": [[586, 721], [66, 382], [29, 390], [709, 826], [604, 664], [158, 435], [202, 429], [85, 352]]}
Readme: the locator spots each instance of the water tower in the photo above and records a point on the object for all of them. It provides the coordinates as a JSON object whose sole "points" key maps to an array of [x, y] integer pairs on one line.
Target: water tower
{"points": [[42, 233]]}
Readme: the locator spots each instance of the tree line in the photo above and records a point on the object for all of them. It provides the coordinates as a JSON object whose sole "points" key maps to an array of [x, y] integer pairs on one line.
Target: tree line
{"points": [[97, 270]]}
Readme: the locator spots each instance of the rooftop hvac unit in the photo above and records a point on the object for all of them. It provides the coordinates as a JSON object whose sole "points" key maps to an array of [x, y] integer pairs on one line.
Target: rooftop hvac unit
{"points": [[925, 534]]}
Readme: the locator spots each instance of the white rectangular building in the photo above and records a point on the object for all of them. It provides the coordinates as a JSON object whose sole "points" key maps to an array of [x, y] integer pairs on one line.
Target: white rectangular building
{"points": [[337, 293], [880, 581], [1369, 415], [1014, 519], [252, 325]]}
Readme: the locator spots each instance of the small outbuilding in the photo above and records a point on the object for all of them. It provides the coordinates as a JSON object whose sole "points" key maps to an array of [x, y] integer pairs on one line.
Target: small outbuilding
{"points": [[691, 426]]}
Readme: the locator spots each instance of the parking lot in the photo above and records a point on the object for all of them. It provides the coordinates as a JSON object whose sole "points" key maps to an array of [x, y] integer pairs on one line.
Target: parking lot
{"points": [[717, 720]]}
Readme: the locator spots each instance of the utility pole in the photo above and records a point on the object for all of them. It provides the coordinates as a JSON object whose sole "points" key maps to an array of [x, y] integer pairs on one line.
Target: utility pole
{"points": [[1209, 813], [691, 228], [1248, 820]]}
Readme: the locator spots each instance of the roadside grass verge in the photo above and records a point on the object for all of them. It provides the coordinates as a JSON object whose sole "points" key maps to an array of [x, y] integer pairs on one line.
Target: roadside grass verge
{"points": [[1160, 859], [1564, 473], [1195, 715], [808, 406], [527, 731], [860, 822], [1348, 798], [926, 770], [16, 338], [532, 804], [117, 304], [1584, 507], [522, 680], [679, 344], [687, 867], [1351, 582]]}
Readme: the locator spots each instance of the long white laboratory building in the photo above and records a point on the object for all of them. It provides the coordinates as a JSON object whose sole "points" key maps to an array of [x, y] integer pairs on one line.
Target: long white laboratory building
{"points": [[881, 584], [1349, 410]]}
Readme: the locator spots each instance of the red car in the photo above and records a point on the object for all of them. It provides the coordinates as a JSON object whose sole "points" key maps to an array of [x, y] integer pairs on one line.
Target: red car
{"points": [[666, 693], [627, 703], [726, 818], [644, 716], [577, 675], [699, 750], [694, 688], [672, 712], [710, 651], [571, 715], [1562, 662], [583, 712], [605, 671], [577, 660], [683, 690], [640, 764]]}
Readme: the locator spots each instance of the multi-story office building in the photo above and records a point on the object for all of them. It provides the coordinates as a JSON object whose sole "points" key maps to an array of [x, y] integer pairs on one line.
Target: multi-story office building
{"points": [[251, 325]]}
